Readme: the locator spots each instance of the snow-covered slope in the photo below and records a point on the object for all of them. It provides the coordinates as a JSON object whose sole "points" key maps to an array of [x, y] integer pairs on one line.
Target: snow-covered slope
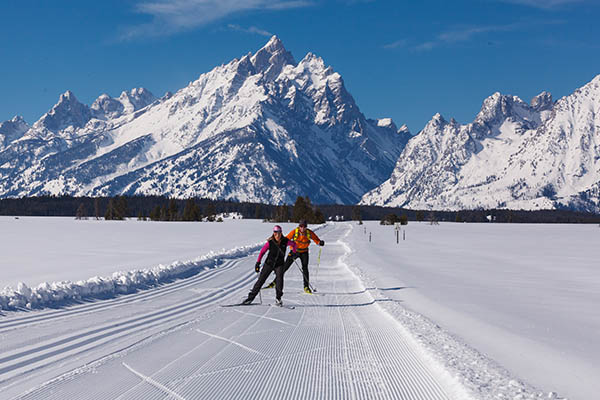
{"points": [[260, 128], [513, 155]]}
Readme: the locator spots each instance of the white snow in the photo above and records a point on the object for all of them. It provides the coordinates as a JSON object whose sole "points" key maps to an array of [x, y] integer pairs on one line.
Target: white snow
{"points": [[523, 295], [455, 311], [512, 156], [67, 249]]}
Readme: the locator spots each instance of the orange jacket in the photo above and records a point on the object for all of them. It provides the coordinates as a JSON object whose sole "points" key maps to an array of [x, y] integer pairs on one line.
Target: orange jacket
{"points": [[303, 240]]}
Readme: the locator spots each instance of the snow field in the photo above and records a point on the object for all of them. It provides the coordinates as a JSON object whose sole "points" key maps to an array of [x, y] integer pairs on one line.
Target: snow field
{"points": [[70, 249], [510, 309], [173, 342]]}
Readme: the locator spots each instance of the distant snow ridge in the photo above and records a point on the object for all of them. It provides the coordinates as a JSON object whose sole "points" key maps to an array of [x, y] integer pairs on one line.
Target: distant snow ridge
{"points": [[261, 128], [57, 293], [514, 155]]}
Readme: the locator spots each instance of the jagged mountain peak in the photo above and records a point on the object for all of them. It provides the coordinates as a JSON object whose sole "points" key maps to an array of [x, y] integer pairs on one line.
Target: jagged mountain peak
{"points": [[387, 123], [274, 45], [246, 130], [314, 61], [67, 96], [136, 99], [106, 107], [542, 101], [513, 155], [68, 112], [12, 130], [404, 129], [271, 58], [437, 120], [497, 106], [18, 119]]}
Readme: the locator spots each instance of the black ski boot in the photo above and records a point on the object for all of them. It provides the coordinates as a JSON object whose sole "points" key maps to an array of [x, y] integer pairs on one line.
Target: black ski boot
{"points": [[247, 302]]}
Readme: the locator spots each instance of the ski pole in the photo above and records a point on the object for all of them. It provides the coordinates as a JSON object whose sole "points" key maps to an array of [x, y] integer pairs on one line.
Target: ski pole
{"points": [[259, 293], [304, 275], [318, 264], [302, 272]]}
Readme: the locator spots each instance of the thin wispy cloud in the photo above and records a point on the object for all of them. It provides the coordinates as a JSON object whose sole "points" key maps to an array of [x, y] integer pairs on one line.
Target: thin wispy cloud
{"points": [[252, 30], [465, 34], [173, 16], [544, 4], [396, 44]]}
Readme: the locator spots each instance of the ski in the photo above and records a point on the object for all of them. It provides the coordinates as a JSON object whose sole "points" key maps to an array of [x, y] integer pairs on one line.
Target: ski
{"points": [[256, 304], [283, 306], [239, 305]]}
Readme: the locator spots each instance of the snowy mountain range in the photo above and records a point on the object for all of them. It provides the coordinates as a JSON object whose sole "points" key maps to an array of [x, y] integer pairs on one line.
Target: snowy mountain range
{"points": [[266, 128], [261, 128], [514, 155]]}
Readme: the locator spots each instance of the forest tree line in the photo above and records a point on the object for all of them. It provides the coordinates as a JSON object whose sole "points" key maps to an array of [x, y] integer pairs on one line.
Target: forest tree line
{"points": [[162, 208]]}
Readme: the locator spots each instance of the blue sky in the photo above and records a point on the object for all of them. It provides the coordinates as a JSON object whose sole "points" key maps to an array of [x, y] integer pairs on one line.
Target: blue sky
{"points": [[401, 59]]}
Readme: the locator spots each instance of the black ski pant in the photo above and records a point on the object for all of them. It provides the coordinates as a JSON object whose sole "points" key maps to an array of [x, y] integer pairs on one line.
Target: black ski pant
{"points": [[303, 256], [265, 271]]}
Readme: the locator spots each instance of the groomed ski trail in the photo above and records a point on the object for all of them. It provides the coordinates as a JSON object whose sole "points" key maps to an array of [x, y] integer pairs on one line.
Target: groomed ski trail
{"points": [[175, 341]]}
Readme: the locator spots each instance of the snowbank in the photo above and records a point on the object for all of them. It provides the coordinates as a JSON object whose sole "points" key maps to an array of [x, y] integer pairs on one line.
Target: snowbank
{"points": [[51, 294], [57, 293]]}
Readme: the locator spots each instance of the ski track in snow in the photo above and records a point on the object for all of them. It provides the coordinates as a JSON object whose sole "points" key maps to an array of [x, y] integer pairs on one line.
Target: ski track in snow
{"points": [[174, 341]]}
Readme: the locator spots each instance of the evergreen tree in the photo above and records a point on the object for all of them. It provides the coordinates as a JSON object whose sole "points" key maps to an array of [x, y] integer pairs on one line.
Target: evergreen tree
{"points": [[210, 211], [191, 211], [303, 210], [282, 214], [155, 214], [188, 210], [299, 209], [121, 210], [389, 219], [97, 208], [164, 213], [257, 212], [319, 218], [433, 219], [196, 213], [310, 213], [81, 212], [403, 219], [356, 214], [110, 213], [419, 216], [173, 210]]}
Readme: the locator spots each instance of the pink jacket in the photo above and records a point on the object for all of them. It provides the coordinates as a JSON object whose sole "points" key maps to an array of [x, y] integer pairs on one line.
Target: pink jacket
{"points": [[264, 249]]}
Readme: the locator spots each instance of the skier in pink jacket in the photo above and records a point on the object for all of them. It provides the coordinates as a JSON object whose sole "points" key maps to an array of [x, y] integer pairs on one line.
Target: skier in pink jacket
{"points": [[277, 246]]}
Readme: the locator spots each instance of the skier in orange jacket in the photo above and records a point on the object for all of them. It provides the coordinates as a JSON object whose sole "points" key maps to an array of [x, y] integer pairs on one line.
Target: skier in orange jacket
{"points": [[302, 236]]}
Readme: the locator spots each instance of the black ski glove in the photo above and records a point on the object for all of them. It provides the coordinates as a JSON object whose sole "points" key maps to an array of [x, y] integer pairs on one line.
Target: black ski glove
{"points": [[257, 267], [322, 243]]}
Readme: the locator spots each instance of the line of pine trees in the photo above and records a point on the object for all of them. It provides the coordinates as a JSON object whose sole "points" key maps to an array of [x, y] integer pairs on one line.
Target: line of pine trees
{"points": [[142, 206], [191, 212], [303, 209]]}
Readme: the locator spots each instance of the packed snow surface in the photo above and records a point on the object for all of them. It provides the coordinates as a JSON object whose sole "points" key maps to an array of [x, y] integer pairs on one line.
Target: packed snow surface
{"points": [[524, 295], [455, 311]]}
